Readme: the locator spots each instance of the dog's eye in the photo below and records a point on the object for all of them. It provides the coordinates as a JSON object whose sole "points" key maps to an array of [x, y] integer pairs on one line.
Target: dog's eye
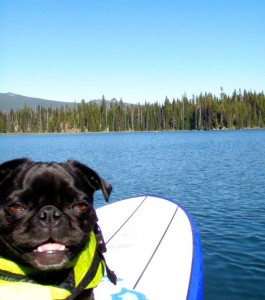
{"points": [[80, 207], [15, 208]]}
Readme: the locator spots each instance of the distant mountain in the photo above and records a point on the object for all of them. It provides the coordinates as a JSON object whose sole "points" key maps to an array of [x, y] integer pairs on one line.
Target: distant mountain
{"points": [[10, 101], [13, 101]]}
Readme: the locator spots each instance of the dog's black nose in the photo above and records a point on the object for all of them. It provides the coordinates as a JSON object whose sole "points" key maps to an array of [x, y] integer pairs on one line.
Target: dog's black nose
{"points": [[49, 215]]}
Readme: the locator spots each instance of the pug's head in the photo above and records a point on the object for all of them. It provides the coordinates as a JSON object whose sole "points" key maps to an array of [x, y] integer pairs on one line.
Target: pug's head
{"points": [[46, 211]]}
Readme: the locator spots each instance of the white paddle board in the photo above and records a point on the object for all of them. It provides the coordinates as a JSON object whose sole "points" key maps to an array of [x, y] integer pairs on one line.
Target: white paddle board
{"points": [[153, 247]]}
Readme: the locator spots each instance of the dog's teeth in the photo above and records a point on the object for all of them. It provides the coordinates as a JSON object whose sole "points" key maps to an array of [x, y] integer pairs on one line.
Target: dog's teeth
{"points": [[51, 247]]}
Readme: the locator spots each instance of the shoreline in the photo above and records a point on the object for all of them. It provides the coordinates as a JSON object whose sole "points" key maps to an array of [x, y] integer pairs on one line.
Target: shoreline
{"points": [[129, 131]]}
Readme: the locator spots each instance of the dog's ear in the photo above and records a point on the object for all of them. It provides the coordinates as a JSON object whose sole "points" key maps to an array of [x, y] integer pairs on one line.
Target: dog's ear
{"points": [[93, 180], [8, 167]]}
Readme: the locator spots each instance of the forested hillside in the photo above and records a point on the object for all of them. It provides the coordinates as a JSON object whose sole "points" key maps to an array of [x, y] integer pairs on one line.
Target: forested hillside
{"points": [[203, 112]]}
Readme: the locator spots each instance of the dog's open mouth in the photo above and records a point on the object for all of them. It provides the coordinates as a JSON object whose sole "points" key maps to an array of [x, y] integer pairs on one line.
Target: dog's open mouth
{"points": [[49, 256], [50, 247]]}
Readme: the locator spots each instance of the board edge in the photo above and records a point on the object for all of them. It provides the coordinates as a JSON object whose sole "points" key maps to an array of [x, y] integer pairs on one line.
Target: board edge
{"points": [[195, 291]]}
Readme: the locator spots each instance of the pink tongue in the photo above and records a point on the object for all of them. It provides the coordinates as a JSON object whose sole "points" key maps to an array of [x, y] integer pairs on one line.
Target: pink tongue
{"points": [[51, 247]]}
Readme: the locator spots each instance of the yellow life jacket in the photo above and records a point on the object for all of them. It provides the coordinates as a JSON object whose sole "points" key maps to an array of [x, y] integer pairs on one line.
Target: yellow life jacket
{"points": [[20, 286]]}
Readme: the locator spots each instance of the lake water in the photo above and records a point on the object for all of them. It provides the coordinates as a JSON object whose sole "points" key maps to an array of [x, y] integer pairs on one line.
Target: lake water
{"points": [[219, 176]]}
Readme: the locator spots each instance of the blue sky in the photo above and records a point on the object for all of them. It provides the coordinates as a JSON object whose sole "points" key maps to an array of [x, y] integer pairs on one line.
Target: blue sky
{"points": [[137, 50]]}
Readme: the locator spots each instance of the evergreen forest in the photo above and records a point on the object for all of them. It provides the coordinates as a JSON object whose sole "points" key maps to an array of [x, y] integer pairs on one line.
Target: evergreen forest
{"points": [[203, 112]]}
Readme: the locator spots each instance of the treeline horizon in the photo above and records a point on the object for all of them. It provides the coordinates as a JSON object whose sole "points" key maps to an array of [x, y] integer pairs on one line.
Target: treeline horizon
{"points": [[203, 112]]}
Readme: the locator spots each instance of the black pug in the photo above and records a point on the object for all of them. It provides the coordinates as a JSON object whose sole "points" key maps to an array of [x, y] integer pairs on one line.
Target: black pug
{"points": [[49, 238]]}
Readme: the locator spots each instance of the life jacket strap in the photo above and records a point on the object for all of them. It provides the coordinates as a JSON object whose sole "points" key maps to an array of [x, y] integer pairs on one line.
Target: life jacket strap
{"points": [[101, 247], [98, 257], [87, 278], [111, 274]]}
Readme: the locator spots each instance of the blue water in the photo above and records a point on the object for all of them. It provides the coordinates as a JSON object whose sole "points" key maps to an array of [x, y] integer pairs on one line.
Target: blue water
{"points": [[219, 176]]}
